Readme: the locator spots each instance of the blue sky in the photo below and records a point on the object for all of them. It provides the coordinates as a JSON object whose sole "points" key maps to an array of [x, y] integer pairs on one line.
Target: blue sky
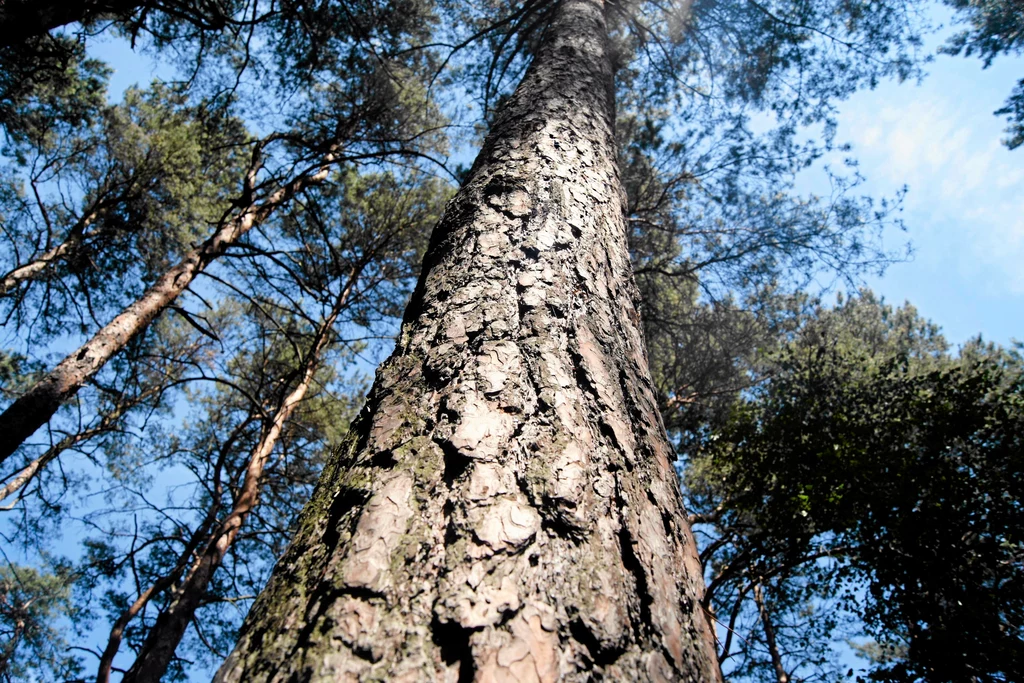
{"points": [[965, 207]]}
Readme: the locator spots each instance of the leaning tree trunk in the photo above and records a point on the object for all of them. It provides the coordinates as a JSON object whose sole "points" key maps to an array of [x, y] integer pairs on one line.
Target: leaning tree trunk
{"points": [[769, 635], [163, 639], [506, 506], [36, 406]]}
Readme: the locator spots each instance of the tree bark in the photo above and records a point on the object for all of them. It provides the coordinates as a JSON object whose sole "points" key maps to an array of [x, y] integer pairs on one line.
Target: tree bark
{"points": [[505, 507], [36, 406]]}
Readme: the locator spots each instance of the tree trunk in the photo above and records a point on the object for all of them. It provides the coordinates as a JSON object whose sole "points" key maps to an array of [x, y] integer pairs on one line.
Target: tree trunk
{"points": [[505, 507], [163, 639], [161, 584], [769, 635], [36, 406]]}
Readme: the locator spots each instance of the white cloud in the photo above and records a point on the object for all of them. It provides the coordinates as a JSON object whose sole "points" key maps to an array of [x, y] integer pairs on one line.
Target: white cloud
{"points": [[965, 208]]}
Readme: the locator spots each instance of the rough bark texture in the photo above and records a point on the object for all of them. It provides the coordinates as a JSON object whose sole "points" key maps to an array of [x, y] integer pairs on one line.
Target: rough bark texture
{"points": [[36, 406], [506, 506]]}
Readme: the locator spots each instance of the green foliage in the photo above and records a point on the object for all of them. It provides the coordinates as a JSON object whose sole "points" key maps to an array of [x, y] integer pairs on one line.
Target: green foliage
{"points": [[16, 373], [98, 200], [712, 99], [1014, 110], [994, 27], [870, 445], [794, 58], [363, 233], [148, 178], [163, 173], [35, 608], [46, 84]]}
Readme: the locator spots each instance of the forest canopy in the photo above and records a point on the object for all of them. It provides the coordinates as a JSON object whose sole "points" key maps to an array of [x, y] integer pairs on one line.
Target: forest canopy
{"points": [[200, 276]]}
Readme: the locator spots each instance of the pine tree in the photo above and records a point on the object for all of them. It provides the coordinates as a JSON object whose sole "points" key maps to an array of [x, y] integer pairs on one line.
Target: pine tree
{"points": [[506, 505]]}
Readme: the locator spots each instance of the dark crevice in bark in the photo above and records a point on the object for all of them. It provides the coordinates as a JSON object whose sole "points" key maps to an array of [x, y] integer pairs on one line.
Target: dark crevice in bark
{"points": [[453, 641], [601, 656], [439, 374], [256, 637], [363, 652], [582, 376], [383, 460], [360, 592], [633, 565], [346, 499], [609, 433], [506, 616], [360, 429], [529, 251], [666, 519], [555, 521], [455, 463], [635, 411], [451, 531], [524, 312], [558, 311], [502, 184]]}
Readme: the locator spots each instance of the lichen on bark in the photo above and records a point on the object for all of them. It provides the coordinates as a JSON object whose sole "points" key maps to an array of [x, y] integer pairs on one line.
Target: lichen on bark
{"points": [[507, 508]]}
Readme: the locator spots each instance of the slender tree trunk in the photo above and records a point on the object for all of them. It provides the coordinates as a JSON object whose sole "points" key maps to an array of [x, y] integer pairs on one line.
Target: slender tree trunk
{"points": [[185, 558], [730, 628], [769, 635], [35, 407], [117, 630], [506, 506], [163, 639]]}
